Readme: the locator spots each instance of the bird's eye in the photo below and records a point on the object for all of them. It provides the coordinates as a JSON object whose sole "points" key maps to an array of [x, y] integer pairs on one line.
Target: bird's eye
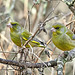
{"points": [[57, 28], [13, 24]]}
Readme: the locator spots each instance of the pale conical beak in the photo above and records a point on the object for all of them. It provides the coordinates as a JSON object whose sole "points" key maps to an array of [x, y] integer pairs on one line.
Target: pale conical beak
{"points": [[53, 29], [9, 25]]}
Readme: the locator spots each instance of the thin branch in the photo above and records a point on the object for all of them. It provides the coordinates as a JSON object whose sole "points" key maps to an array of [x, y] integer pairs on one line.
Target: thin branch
{"points": [[42, 50], [12, 6], [52, 10], [29, 19], [70, 22]]}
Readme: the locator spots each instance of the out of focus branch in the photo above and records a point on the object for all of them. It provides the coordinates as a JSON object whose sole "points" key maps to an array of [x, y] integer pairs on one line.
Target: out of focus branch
{"points": [[71, 5], [67, 56], [12, 6]]}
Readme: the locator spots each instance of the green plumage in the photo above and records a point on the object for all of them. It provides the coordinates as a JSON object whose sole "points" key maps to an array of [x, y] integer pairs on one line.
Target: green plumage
{"points": [[19, 36], [62, 37]]}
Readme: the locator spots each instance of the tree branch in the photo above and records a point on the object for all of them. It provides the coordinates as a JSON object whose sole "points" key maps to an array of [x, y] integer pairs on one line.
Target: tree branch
{"points": [[28, 64], [65, 57]]}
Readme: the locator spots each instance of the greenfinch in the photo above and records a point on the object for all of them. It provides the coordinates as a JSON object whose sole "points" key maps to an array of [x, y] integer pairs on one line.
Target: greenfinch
{"points": [[62, 37], [19, 36]]}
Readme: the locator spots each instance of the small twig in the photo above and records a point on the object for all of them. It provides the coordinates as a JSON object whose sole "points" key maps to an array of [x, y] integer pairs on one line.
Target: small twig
{"points": [[42, 50], [64, 69], [12, 6], [39, 55], [22, 52], [5, 56], [6, 19], [3, 52], [49, 41], [70, 4], [53, 51], [70, 22], [29, 19], [15, 52], [52, 10], [26, 9], [39, 59]]}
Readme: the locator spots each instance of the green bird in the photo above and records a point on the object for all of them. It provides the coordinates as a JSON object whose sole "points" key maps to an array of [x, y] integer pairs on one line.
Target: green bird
{"points": [[63, 38], [19, 36]]}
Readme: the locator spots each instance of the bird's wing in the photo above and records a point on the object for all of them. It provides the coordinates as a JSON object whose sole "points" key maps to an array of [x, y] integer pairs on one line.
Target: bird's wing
{"points": [[25, 34], [70, 34], [35, 40]]}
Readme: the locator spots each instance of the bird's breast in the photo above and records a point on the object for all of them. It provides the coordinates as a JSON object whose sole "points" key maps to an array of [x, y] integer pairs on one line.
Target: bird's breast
{"points": [[16, 38], [63, 42]]}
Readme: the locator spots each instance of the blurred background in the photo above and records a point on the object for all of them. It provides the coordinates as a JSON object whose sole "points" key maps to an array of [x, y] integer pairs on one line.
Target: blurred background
{"points": [[31, 13]]}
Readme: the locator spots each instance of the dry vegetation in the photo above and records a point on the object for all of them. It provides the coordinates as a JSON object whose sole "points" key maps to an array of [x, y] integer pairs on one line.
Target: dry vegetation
{"points": [[31, 14]]}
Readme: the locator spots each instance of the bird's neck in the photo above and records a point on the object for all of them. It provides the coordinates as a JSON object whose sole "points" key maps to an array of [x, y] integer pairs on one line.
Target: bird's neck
{"points": [[11, 29]]}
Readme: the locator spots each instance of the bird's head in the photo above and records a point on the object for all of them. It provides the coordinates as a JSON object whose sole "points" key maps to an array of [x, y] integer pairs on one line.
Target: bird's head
{"points": [[13, 26], [58, 28]]}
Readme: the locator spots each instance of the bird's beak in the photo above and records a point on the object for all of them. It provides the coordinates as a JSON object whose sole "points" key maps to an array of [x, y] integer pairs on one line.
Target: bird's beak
{"points": [[53, 29], [9, 25]]}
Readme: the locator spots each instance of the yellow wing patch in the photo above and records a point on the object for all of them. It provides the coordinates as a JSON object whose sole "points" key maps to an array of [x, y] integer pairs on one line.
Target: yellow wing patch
{"points": [[35, 42], [24, 38]]}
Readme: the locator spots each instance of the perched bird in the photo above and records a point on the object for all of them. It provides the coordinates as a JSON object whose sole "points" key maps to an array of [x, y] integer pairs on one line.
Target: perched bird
{"points": [[63, 38], [19, 36]]}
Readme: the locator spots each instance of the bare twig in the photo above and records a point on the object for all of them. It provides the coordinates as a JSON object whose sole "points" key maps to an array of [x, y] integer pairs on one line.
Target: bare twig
{"points": [[3, 52], [70, 22], [12, 6], [52, 10], [42, 50], [6, 19], [29, 19]]}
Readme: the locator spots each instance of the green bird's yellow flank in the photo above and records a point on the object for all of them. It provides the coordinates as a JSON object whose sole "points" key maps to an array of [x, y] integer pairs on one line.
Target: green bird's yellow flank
{"points": [[19, 36], [62, 37]]}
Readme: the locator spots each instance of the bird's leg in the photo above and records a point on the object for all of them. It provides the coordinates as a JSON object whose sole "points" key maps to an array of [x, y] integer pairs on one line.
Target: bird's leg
{"points": [[64, 54], [47, 51]]}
